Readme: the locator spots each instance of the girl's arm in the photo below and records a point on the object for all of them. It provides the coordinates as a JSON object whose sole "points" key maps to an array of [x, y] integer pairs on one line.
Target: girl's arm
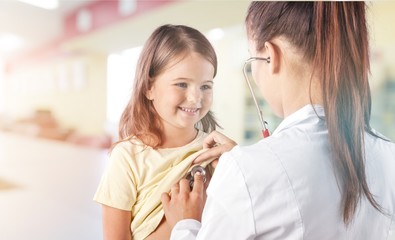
{"points": [[116, 223]]}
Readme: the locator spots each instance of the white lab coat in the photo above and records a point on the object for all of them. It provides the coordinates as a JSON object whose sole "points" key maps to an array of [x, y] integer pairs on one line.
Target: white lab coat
{"points": [[284, 187]]}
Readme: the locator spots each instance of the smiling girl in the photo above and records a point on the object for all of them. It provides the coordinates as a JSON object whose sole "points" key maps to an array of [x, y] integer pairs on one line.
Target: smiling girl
{"points": [[161, 130]]}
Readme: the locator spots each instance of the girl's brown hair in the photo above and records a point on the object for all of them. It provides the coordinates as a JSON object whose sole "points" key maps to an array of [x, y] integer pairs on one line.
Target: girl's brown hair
{"points": [[333, 37], [165, 45]]}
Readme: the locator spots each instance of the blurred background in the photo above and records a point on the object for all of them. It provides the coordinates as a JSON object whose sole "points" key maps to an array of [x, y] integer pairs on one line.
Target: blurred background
{"points": [[66, 73]]}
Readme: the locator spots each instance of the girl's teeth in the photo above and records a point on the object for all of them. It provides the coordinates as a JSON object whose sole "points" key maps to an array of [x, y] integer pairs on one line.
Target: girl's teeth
{"points": [[189, 109]]}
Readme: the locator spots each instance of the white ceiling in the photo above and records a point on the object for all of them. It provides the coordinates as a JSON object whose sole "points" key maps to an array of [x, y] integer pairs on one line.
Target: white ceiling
{"points": [[38, 27], [34, 25]]}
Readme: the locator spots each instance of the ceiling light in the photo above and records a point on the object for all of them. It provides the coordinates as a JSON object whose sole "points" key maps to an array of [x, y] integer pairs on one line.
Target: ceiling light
{"points": [[46, 4]]}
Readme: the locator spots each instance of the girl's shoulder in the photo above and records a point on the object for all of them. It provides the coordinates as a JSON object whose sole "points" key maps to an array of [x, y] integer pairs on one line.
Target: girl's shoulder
{"points": [[130, 146]]}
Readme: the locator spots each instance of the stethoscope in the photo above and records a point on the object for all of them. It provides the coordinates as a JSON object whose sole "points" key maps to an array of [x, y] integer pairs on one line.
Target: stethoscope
{"points": [[265, 130], [192, 173]]}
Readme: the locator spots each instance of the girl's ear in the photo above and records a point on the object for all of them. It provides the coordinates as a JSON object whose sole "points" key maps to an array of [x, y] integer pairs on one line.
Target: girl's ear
{"points": [[274, 55], [149, 94]]}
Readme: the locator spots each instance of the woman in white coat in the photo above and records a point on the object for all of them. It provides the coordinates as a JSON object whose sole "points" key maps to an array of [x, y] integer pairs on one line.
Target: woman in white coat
{"points": [[324, 173]]}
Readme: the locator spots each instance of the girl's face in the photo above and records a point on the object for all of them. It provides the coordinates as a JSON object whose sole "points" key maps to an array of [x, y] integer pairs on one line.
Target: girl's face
{"points": [[182, 95]]}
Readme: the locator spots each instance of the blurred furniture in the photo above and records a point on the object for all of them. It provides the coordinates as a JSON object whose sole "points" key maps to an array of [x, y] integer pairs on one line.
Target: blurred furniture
{"points": [[43, 124]]}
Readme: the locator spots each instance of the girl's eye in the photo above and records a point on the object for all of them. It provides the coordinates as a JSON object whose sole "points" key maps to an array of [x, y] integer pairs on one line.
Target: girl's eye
{"points": [[183, 85], [206, 87]]}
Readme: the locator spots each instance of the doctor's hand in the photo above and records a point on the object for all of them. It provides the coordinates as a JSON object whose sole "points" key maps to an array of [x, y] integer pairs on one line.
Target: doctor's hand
{"points": [[217, 144], [182, 203]]}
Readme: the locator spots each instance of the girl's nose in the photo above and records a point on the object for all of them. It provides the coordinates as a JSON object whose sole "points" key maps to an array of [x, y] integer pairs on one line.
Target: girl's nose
{"points": [[194, 95]]}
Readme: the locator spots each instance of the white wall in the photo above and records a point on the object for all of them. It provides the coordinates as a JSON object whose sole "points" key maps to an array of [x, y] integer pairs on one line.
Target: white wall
{"points": [[72, 87], [2, 87]]}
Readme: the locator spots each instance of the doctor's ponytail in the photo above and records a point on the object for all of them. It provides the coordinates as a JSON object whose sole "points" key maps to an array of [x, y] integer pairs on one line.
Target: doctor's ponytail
{"points": [[341, 59]]}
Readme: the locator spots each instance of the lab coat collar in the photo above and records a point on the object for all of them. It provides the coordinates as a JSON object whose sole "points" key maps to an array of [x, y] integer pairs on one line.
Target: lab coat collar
{"points": [[307, 112]]}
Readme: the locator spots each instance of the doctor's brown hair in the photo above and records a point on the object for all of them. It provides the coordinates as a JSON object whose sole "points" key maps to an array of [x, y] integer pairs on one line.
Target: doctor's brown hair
{"points": [[168, 43], [333, 38]]}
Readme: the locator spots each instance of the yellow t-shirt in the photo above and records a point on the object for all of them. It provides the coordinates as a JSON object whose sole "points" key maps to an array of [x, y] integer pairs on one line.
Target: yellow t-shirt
{"points": [[137, 175]]}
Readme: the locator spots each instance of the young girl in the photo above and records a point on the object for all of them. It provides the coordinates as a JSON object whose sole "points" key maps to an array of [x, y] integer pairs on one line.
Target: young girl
{"points": [[159, 132]]}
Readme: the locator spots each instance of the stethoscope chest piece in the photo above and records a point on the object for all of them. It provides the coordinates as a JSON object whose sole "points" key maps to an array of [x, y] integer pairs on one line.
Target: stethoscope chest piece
{"points": [[192, 173]]}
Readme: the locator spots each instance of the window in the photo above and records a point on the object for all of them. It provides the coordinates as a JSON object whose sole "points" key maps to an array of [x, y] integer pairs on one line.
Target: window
{"points": [[120, 76]]}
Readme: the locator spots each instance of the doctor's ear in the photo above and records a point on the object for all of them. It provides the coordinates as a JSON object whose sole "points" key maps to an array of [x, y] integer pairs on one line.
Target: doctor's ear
{"points": [[274, 55]]}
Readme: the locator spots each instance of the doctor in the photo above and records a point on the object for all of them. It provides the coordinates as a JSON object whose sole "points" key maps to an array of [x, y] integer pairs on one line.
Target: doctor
{"points": [[324, 173]]}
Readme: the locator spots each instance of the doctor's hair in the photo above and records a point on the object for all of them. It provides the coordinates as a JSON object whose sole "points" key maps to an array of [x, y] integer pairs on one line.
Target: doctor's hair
{"points": [[333, 38], [166, 46]]}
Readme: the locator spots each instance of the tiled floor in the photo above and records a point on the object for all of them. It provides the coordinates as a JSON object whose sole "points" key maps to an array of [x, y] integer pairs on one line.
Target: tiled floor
{"points": [[46, 190]]}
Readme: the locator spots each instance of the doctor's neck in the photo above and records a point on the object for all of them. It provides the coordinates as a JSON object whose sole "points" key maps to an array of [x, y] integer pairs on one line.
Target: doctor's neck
{"points": [[299, 86]]}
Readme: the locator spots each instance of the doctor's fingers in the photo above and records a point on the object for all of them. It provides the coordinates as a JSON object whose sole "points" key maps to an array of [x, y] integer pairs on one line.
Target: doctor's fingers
{"points": [[184, 186], [175, 189], [214, 153], [198, 184], [216, 138], [165, 199]]}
